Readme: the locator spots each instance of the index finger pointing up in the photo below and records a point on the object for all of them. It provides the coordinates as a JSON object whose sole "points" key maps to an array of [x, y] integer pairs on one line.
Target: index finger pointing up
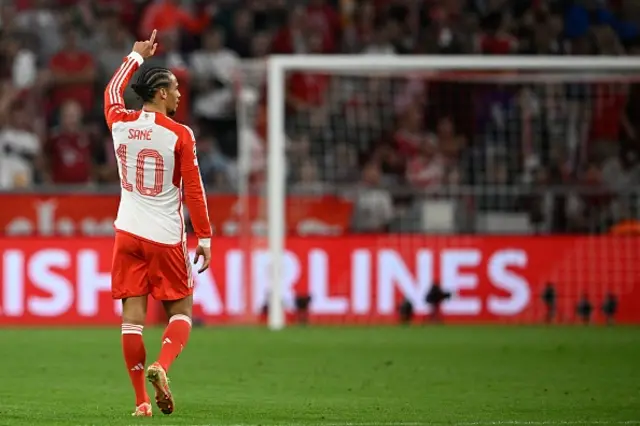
{"points": [[153, 36]]}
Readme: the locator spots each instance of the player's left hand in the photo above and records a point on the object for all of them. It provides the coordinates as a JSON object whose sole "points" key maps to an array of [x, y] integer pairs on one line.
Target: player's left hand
{"points": [[146, 48], [205, 252]]}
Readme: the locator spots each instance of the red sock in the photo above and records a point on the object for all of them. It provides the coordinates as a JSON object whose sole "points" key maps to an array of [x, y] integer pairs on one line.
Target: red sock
{"points": [[135, 357], [174, 339]]}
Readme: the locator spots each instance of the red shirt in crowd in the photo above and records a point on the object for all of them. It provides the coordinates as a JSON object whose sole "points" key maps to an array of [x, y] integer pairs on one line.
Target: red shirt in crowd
{"points": [[309, 88], [168, 16], [70, 157], [328, 22], [609, 101], [425, 172], [499, 44], [409, 143], [67, 62], [283, 42]]}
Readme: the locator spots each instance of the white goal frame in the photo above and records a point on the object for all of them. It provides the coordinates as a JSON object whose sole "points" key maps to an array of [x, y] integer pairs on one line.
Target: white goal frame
{"points": [[278, 65]]}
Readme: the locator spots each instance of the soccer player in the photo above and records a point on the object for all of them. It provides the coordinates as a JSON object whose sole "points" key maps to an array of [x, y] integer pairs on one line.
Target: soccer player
{"points": [[156, 160]]}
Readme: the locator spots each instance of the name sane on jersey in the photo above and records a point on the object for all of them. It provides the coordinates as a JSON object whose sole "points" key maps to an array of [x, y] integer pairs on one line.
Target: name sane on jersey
{"points": [[140, 135]]}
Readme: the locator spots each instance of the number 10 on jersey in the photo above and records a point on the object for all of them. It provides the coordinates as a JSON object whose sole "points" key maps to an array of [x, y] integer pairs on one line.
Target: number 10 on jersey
{"points": [[146, 160]]}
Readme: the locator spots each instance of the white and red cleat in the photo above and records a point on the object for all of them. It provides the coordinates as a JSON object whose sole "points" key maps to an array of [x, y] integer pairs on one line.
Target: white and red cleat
{"points": [[158, 378], [143, 410]]}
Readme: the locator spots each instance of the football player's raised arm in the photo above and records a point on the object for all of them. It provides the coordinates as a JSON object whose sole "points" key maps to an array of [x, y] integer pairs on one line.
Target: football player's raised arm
{"points": [[194, 194], [114, 93]]}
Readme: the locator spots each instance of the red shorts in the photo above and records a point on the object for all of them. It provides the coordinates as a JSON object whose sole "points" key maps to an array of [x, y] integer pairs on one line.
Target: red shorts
{"points": [[142, 267]]}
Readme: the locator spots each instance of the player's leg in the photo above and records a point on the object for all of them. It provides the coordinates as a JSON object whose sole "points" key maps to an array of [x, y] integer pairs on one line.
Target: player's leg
{"points": [[171, 283], [174, 339], [176, 335], [130, 283], [134, 310]]}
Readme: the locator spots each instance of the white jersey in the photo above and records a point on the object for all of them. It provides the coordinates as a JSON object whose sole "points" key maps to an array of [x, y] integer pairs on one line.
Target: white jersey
{"points": [[156, 157]]}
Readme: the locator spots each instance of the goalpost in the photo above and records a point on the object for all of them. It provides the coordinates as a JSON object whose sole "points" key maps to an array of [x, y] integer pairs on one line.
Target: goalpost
{"points": [[536, 69]]}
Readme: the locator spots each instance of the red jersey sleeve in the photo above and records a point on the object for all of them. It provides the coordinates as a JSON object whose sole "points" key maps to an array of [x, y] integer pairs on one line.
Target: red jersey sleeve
{"points": [[114, 109], [194, 194]]}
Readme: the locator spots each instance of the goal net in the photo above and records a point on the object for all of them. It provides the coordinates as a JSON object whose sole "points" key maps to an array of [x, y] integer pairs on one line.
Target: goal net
{"points": [[370, 180]]}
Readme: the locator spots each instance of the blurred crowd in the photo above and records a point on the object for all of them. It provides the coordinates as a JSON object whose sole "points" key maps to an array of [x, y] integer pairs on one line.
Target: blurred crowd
{"points": [[565, 152]]}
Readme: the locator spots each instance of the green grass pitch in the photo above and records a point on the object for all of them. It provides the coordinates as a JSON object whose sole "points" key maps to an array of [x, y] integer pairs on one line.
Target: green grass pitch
{"points": [[443, 375]]}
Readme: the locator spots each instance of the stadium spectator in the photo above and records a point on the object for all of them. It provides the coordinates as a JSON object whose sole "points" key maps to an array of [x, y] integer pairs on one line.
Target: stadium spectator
{"points": [[260, 45], [306, 91], [307, 179], [69, 150], [495, 194], [20, 63], [298, 152], [381, 43], [213, 70], [241, 33], [341, 164], [449, 142], [411, 133], [217, 170], [175, 59], [73, 74], [425, 169], [169, 16], [359, 25], [537, 201], [19, 150], [621, 172], [292, 38], [374, 205], [392, 163], [38, 22], [325, 19], [496, 37], [114, 41]]}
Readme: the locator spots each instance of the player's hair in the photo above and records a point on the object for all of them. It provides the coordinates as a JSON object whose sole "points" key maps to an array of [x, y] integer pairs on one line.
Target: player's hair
{"points": [[150, 81]]}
